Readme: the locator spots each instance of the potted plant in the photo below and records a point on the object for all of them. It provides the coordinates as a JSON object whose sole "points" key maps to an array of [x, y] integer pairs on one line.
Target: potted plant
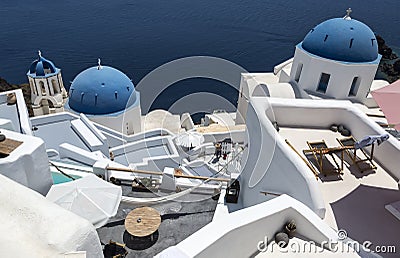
{"points": [[290, 228]]}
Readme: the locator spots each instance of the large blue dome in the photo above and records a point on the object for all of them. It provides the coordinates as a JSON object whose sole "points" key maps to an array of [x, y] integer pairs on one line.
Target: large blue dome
{"points": [[342, 39], [101, 90]]}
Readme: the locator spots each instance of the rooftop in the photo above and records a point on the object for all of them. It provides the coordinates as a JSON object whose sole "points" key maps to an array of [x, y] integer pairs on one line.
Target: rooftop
{"points": [[179, 219], [354, 201]]}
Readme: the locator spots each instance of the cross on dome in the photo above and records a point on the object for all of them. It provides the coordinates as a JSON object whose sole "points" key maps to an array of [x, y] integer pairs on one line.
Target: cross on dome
{"points": [[348, 12], [99, 64]]}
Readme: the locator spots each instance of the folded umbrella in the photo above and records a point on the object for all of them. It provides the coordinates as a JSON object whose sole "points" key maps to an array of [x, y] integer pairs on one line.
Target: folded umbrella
{"points": [[89, 197], [388, 99]]}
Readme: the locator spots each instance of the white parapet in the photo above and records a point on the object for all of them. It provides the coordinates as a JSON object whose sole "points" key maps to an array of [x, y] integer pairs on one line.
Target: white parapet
{"points": [[323, 113], [239, 233], [168, 179], [92, 136], [6, 124], [86, 157], [28, 163], [270, 165], [36, 227], [16, 112]]}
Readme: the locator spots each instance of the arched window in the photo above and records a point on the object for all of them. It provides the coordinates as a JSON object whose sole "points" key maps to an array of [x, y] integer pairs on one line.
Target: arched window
{"points": [[298, 72], [354, 87], [33, 87], [261, 90], [323, 82], [42, 88], [56, 88]]}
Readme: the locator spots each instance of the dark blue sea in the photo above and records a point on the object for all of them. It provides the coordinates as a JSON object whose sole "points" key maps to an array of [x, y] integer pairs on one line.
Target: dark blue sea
{"points": [[137, 36]]}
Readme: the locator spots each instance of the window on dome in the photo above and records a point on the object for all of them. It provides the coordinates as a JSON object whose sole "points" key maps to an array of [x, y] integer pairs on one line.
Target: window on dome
{"points": [[351, 43], [323, 82], [354, 87], [298, 72]]}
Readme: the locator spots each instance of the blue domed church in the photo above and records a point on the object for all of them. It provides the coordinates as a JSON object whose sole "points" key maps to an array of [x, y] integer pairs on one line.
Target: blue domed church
{"points": [[106, 96], [337, 59], [48, 94]]}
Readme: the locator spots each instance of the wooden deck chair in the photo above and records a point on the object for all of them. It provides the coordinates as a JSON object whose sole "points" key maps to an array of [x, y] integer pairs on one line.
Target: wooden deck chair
{"points": [[320, 150], [352, 153], [310, 166]]}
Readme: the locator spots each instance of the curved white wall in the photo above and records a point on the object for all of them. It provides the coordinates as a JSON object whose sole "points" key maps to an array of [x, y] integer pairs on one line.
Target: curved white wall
{"points": [[127, 122], [270, 165], [275, 90]]}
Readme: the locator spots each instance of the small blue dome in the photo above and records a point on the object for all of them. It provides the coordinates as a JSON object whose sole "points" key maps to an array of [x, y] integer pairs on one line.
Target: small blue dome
{"points": [[101, 90], [42, 67], [342, 39]]}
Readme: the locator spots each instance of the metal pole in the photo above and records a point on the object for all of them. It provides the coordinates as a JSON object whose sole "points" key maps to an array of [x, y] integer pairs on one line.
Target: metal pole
{"points": [[160, 174]]}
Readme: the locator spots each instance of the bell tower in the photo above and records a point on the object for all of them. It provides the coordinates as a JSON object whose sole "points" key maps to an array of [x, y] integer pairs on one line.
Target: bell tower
{"points": [[48, 94]]}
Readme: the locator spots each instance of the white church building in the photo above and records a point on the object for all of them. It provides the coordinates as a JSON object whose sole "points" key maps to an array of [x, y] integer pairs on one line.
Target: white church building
{"points": [[337, 59], [106, 96], [102, 93]]}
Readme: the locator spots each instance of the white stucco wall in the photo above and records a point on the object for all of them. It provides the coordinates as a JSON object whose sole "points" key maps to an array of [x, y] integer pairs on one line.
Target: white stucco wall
{"points": [[127, 122], [142, 155], [248, 82], [250, 86], [35, 227], [18, 113], [28, 163], [238, 135], [342, 75], [270, 165], [6, 124], [238, 234]]}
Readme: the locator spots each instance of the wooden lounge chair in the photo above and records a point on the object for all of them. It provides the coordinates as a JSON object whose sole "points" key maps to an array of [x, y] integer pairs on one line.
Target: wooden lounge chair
{"points": [[352, 153], [320, 150], [310, 166]]}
